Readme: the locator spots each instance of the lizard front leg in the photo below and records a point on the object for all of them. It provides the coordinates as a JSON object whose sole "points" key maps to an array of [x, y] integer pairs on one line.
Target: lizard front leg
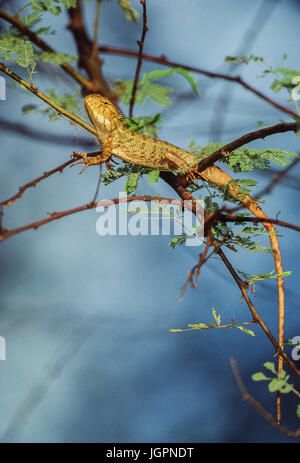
{"points": [[100, 158]]}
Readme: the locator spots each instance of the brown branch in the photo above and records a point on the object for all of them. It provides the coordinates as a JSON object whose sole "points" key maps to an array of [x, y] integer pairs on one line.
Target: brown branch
{"points": [[106, 203], [16, 22], [256, 317], [215, 75], [96, 26], [34, 182], [233, 218], [247, 138], [140, 58], [88, 61], [192, 278], [257, 405], [176, 184], [59, 109]]}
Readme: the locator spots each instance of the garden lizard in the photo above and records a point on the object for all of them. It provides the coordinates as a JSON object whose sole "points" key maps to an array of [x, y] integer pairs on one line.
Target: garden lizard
{"points": [[121, 141]]}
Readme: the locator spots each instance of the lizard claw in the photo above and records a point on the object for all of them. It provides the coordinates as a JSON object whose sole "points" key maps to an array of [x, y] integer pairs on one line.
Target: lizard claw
{"points": [[192, 174], [109, 167], [84, 160], [92, 161]]}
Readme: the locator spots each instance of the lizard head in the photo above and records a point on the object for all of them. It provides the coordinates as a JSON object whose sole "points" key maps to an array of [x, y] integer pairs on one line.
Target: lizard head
{"points": [[103, 114]]}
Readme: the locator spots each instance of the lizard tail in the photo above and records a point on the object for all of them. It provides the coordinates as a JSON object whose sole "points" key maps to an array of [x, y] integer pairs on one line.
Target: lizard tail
{"points": [[218, 177]]}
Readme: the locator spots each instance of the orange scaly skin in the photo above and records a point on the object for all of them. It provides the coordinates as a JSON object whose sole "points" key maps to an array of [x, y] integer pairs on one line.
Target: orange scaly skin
{"points": [[121, 141]]}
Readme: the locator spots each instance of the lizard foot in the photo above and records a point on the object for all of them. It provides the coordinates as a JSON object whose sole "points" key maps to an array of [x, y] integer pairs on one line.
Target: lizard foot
{"points": [[109, 166], [192, 174], [85, 160]]}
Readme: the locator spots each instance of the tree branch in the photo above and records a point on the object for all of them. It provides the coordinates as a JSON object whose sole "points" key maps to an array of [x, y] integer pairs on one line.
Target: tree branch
{"points": [[214, 75], [140, 58], [257, 405], [88, 60], [5, 234], [60, 110], [247, 138], [16, 22]]}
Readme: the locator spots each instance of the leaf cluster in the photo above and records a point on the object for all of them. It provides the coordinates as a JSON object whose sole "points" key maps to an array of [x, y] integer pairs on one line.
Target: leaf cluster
{"points": [[147, 89]]}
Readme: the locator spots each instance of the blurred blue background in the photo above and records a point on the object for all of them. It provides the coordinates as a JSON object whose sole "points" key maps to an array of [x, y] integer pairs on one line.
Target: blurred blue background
{"points": [[86, 318]]}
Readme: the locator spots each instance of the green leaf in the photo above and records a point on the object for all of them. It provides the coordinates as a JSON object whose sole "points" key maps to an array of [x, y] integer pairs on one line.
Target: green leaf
{"points": [[68, 3], [275, 385], [156, 93], [204, 151], [46, 5], [55, 58], [298, 411], [260, 276], [131, 183], [25, 54], [66, 100], [245, 159], [286, 388], [198, 326], [29, 108], [179, 240], [270, 366], [130, 13], [45, 30], [259, 376], [245, 330], [32, 19], [154, 75], [217, 318], [243, 59], [147, 89], [144, 124], [153, 176]]}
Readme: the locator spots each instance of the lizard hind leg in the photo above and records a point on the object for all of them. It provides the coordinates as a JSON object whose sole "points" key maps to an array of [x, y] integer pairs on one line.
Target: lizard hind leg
{"points": [[192, 174], [175, 162]]}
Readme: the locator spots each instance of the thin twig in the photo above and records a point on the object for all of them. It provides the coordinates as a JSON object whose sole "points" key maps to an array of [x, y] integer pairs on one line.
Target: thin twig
{"points": [[214, 75], [176, 184], [96, 26], [105, 203], [233, 218], [192, 278], [34, 182], [16, 22], [242, 286], [257, 405], [60, 110], [98, 184], [243, 140], [140, 58]]}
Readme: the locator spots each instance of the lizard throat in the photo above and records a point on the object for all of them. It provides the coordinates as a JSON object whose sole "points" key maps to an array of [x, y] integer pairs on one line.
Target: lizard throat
{"points": [[104, 125]]}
